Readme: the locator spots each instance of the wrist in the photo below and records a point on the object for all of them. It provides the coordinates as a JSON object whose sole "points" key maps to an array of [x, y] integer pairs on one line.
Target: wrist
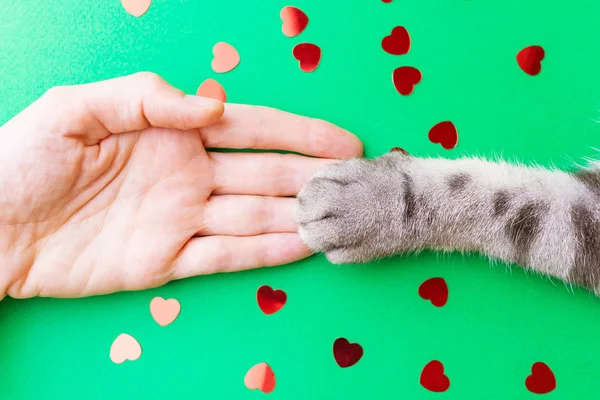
{"points": [[449, 211]]}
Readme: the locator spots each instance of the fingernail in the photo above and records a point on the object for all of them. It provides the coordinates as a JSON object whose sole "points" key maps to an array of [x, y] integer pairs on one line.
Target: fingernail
{"points": [[202, 101]]}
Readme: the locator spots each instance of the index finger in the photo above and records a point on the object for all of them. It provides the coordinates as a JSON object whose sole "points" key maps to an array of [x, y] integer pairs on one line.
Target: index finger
{"points": [[257, 127], [96, 110]]}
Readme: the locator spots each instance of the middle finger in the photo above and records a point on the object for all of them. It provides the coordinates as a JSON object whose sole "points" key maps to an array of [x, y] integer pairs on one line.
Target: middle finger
{"points": [[248, 215], [265, 174]]}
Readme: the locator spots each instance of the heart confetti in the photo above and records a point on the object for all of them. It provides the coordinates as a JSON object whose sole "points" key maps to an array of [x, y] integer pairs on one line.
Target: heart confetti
{"points": [[398, 42], [435, 290], [226, 57], [270, 301], [294, 21], [433, 377], [212, 89], [346, 354], [260, 377], [541, 380], [125, 347], [309, 56], [405, 79], [530, 59], [444, 133], [399, 149], [164, 311], [137, 8]]}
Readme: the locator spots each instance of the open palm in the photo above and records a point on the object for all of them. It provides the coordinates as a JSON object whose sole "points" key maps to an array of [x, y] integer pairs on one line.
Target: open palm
{"points": [[109, 186]]}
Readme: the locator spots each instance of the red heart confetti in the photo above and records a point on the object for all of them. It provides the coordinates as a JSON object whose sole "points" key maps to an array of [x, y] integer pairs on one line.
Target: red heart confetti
{"points": [[530, 59], [541, 380], [405, 79], [387, 1], [399, 149], [444, 133], [435, 290], [433, 377], [294, 21], [398, 42], [270, 301], [309, 56], [260, 377], [346, 354]]}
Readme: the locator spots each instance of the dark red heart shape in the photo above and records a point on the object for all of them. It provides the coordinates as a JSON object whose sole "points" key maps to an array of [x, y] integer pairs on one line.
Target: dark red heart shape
{"points": [[541, 380], [444, 133], [346, 354], [433, 378], [309, 56], [530, 59], [405, 79], [270, 301], [398, 42], [435, 290], [399, 149]]}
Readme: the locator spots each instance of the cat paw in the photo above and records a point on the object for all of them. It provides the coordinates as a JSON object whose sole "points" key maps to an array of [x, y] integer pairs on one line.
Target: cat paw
{"points": [[352, 210]]}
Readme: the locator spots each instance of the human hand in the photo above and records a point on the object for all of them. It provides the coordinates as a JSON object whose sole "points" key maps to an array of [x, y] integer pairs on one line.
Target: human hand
{"points": [[108, 187]]}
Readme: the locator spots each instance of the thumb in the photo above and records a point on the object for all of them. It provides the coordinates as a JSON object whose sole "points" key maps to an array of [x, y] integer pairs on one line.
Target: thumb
{"points": [[94, 111]]}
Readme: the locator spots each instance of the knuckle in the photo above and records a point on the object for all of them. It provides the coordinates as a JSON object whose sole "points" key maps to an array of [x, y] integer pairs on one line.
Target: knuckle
{"points": [[318, 133], [282, 173], [256, 138], [57, 93], [262, 215], [223, 257], [149, 79]]}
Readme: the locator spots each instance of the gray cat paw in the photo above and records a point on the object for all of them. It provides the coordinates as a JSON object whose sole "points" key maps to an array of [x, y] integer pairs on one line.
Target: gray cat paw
{"points": [[352, 210]]}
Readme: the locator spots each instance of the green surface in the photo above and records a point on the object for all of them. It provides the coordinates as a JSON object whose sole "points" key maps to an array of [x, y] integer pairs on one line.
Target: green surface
{"points": [[496, 322]]}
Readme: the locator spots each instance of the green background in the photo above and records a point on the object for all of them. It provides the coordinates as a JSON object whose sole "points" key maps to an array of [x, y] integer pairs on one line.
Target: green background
{"points": [[498, 321]]}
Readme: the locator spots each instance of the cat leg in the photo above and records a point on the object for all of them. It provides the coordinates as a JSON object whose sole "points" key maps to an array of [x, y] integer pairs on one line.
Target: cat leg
{"points": [[546, 220]]}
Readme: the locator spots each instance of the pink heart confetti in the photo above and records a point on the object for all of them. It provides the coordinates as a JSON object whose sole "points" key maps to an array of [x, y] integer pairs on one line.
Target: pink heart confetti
{"points": [[137, 8], [125, 347], [164, 311], [226, 57]]}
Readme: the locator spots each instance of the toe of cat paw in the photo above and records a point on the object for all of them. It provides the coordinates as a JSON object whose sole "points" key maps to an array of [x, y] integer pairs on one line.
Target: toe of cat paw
{"points": [[344, 210], [330, 211]]}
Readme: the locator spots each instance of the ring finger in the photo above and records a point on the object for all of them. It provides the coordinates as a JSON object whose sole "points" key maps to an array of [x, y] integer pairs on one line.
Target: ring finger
{"points": [[248, 215]]}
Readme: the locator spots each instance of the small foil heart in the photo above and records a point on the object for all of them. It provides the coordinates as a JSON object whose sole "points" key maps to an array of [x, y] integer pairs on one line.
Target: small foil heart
{"points": [[444, 133], [405, 79], [398, 42], [309, 56], [435, 290], [346, 354], [541, 380], [294, 21], [270, 301], [433, 377], [399, 150], [530, 59]]}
